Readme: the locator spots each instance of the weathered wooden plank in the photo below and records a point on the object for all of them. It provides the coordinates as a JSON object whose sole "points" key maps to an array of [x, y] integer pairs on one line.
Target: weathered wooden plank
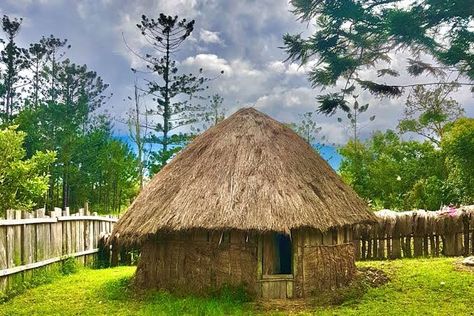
{"points": [[56, 235], [47, 240], [3, 256], [268, 254], [465, 221], [259, 257], [17, 260], [27, 241], [357, 249], [42, 263], [71, 218], [327, 238], [24, 221], [96, 231], [294, 254], [363, 241], [73, 236], [10, 240], [289, 289], [396, 246], [92, 237], [40, 254]]}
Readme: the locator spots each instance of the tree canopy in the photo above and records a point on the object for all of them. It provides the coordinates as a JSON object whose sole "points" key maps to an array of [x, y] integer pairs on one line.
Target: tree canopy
{"points": [[23, 182], [352, 36]]}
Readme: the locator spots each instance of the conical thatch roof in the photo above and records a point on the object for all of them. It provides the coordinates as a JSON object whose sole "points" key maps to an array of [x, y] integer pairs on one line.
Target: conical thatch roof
{"points": [[248, 172]]}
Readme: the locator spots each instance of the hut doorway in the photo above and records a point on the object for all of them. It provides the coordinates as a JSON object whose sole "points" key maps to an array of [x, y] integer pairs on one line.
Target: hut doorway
{"points": [[275, 260], [277, 254], [283, 243]]}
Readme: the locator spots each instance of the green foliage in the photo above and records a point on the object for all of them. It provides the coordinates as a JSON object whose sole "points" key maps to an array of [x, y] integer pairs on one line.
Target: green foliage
{"points": [[14, 60], [307, 128], [215, 112], [331, 102], [428, 111], [57, 109], [353, 114], [22, 181], [160, 158], [69, 266], [458, 145], [398, 174], [353, 36], [426, 192], [92, 166], [395, 174]]}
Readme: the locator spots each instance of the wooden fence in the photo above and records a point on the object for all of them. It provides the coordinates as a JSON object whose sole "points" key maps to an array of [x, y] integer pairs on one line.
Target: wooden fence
{"points": [[448, 232], [32, 240]]}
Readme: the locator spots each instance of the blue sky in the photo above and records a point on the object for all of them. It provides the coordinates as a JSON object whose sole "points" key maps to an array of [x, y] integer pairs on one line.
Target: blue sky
{"points": [[240, 37]]}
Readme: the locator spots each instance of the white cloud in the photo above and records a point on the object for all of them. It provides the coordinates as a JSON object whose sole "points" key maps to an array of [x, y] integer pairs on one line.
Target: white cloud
{"points": [[209, 63], [277, 66], [210, 37], [241, 38]]}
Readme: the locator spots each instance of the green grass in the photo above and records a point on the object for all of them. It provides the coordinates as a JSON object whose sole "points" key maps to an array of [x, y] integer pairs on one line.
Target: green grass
{"points": [[37, 277], [417, 287], [105, 292]]}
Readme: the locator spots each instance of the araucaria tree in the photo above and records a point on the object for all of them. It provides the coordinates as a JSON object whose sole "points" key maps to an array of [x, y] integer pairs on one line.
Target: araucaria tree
{"points": [[216, 111], [176, 95], [353, 115], [15, 61], [355, 35], [308, 128]]}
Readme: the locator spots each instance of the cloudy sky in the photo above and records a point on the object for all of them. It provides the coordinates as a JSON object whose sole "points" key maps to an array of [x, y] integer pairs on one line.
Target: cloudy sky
{"points": [[240, 37]]}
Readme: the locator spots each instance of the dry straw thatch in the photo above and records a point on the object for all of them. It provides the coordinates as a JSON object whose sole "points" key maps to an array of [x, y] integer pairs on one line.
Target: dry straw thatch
{"points": [[249, 172]]}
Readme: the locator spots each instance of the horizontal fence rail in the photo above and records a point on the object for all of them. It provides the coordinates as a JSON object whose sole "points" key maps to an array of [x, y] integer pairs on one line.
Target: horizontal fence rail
{"points": [[448, 232], [32, 240]]}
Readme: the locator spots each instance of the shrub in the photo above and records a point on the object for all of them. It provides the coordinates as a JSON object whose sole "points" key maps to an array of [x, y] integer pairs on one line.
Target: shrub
{"points": [[69, 266]]}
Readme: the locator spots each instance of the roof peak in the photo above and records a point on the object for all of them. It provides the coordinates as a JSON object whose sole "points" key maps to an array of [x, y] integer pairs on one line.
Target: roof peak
{"points": [[245, 110], [248, 172]]}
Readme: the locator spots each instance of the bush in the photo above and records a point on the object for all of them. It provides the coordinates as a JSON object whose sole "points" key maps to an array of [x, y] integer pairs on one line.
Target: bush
{"points": [[69, 266]]}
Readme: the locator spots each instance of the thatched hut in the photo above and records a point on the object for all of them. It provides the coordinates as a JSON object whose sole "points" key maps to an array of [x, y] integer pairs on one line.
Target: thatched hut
{"points": [[247, 202]]}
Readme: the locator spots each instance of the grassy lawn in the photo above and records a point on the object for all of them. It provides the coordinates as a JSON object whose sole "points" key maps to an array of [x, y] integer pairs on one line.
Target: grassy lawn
{"points": [[417, 287]]}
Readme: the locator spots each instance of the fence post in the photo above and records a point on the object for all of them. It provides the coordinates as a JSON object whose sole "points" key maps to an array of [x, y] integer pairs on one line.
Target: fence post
{"points": [[465, 220], [356, 240], [3, 256], [380, 241], [471, 215], [114, 261], [418, 233]]}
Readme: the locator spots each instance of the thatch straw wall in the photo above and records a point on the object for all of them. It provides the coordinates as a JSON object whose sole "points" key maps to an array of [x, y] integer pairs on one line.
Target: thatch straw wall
{"points": [[197, 262], [322, 261], [449, 232]]}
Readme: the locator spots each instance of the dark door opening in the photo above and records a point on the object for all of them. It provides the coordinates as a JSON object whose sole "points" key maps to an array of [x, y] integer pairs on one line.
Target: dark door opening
{"points": [[283, 242], [276, 254]]}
